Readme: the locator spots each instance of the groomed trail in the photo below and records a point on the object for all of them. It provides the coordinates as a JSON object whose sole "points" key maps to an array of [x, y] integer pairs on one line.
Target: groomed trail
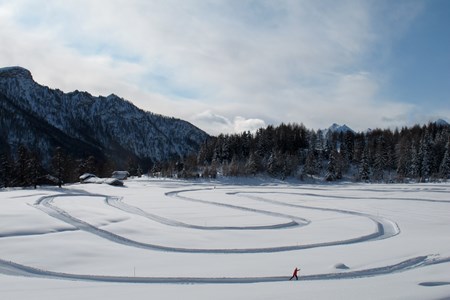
{"points": [[119, 204], [384, 229], [15, 269]]}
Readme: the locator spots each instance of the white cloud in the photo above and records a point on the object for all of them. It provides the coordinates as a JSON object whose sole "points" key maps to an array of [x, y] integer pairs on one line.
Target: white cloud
{"points": [[289, 61], [216, 124], [210, 117], [241, 124]]}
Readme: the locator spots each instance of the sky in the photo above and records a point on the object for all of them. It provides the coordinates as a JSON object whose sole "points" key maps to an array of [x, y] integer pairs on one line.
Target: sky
{"points": [[230, 66]]}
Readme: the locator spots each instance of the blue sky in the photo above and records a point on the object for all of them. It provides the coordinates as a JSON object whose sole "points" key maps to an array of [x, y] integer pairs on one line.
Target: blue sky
{"points": [[228, 66], [423, 56]]}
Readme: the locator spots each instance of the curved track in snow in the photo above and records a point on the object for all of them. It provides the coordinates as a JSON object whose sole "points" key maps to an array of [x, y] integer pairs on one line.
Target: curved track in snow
{"points": [[384, 228], [119, 204]]}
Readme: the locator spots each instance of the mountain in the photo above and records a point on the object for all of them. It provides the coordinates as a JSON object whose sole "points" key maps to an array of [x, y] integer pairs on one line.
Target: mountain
{"points": [[441, 122], [108, 128], [339, 128]]}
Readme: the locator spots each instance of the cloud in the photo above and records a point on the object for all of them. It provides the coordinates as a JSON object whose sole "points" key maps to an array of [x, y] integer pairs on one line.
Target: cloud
{"points": [[216, 124], [284, 61], [241, 124], [209, 117]]}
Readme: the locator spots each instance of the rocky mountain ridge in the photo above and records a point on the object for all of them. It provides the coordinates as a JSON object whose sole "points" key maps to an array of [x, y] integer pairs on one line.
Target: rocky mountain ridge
{"points": [[105, 127]]}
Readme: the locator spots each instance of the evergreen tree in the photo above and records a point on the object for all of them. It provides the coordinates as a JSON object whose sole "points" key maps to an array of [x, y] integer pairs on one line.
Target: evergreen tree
{"points": [[425, 155], [380, 161], [358, 148], [310, 167], [403, 157], [23, 172], [415, 164], [213, 169], [91, 165], [344, 156], [245, 140], [251, 167], [58, 165], [333, 168], [274, 164], [444, 168], [289, 165], [349, 142], [225, 151], [364, 173], [5, 170], [34, 169]]}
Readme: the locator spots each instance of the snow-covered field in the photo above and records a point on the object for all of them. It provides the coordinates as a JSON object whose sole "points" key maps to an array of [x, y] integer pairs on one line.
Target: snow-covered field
{"points": [[166, 239]]}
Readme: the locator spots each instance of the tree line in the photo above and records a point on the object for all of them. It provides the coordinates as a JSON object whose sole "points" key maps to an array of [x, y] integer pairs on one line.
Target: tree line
{"points": [[27, 168], [419, 153]]}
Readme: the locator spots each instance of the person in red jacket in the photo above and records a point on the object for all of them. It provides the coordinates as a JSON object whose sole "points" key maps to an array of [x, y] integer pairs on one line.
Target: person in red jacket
{"points": [[295, 274]]}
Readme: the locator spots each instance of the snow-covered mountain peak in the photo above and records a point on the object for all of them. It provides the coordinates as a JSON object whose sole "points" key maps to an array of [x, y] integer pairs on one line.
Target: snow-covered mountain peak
{"points": [[340, 128], [441, 122]]}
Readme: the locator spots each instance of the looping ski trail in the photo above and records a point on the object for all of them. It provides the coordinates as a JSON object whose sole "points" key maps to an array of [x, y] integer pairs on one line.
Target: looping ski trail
{"points": [[385, 229], [15, 269], [45, 204]]}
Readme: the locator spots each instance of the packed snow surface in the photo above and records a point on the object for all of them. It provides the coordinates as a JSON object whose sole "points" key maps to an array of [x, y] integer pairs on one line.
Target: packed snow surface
{"points": [[167, 239]]}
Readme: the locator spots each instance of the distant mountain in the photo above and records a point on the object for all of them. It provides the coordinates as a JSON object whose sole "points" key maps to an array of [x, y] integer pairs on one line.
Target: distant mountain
{"points": [[108, 128], [441, 122], [339, 128]]}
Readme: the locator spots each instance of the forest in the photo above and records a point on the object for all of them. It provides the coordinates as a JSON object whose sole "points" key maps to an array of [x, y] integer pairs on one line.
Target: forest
{"points": [[418, 153]]}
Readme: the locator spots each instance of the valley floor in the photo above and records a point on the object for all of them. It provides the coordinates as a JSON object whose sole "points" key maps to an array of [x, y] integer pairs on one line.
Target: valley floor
{"points": [[168, 239]]}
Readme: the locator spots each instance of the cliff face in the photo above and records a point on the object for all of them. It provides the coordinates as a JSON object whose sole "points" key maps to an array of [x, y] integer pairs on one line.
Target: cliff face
{"points": [[42, 118]]}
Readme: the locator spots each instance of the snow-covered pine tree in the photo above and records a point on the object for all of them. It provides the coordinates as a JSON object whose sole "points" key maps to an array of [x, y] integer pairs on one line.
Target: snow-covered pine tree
{"points": [[310, 167], [403, 157], [380, 161], [252, 165], [332, 167], [415, 163], [444, 169], [364, 172], [425, 155]]}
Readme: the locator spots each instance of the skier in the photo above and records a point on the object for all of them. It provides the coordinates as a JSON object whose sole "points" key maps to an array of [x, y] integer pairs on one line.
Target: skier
{"points": [[295, 274]]}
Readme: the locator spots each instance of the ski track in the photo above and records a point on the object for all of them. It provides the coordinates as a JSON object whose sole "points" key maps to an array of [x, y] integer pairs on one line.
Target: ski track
{"points": [[25, 233], [15, 269], [385, 229], [119, 204], [347, 197]]}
